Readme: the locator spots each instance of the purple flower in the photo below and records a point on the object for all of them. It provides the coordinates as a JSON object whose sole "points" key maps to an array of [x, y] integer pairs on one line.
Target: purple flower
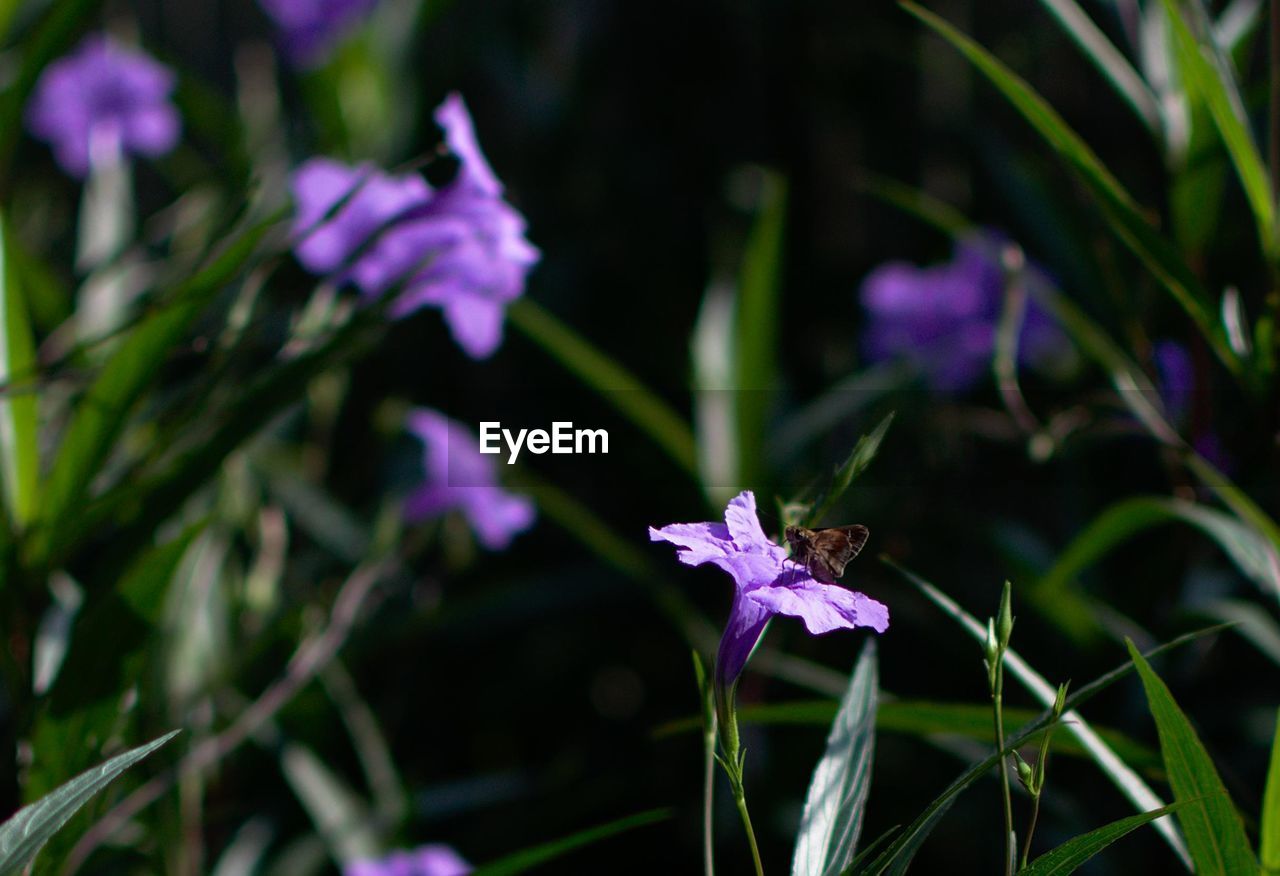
{"points": [[943, 318], [459, 477], [431, 860], [766, 584], [1177, 386], [461, 248], [101, 102], [309, 29]]}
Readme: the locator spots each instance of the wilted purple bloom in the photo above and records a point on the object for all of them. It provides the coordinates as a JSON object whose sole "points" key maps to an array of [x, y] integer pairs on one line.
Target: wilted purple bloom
{"points": [[101, 102], [309, 29], [430, 860], [944, 318], [766, 584], [459, 477], [461, 248]]}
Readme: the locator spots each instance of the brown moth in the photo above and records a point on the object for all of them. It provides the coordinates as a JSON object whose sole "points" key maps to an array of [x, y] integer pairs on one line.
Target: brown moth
{"points": [[825, 552]]}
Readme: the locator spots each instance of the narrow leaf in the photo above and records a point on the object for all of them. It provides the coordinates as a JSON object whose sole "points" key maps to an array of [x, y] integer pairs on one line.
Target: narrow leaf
{"points": [[837, 796], [1213, 829], [1270, 820], [530, 858], [19, 461], [23, 835], [1220, 93], [1075, 851], [756, 320], [857, 461]]}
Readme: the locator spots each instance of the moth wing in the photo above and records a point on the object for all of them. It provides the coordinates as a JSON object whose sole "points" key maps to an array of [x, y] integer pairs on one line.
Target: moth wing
{"points": [[837, 547]]}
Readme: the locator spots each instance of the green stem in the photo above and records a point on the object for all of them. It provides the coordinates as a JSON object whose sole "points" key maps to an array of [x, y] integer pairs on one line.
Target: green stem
{"points": [[740, 797], [997, 698], [708, 795], [1031, 829]]}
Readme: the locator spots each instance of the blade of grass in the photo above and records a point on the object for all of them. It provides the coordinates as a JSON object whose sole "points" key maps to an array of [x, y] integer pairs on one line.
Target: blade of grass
{"points": [[1269, 826], [19, 458], [1214, 832], [756, 328], [1221, 95], [1122, 213], [1110, 62], [529, 858], [610, 380]]}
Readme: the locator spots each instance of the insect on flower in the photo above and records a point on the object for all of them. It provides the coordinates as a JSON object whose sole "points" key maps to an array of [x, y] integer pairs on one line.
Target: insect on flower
{"points": [[825, 552]]}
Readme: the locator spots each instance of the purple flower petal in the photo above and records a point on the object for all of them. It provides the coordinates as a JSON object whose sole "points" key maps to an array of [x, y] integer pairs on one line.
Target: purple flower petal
{"points": [[429, 860], [309, 29], [822, 607], [460, 136], [742, 632]]}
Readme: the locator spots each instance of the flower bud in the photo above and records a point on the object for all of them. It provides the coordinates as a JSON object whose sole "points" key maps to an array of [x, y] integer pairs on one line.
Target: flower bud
{"points": [[1025, 774], [1004, 620]]}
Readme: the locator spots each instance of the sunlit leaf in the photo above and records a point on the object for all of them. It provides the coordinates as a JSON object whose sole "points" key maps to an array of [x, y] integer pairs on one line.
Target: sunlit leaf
{"points": [[23, 835], [1067, 857], [1214, 832], [837, 796], [19, 461]]}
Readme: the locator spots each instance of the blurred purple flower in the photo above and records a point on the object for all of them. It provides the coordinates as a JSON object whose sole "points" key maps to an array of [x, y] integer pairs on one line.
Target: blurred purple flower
{"points": [[943, 318], [766, 584], [101, 102], [459, 477], [1177, 386], [461, 248], [430, 860], [309, 29], [1177, 378]]}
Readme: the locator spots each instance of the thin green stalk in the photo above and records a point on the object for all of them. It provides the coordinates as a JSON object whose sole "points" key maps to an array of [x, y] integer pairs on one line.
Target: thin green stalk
{"points": [[740, 797], [998, 700], [708, 799], [1031, 829]]}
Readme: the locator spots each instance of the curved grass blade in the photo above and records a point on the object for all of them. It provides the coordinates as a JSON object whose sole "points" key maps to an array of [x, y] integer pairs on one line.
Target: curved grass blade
{"points": [[1077, 850], [23, 835], [1122, 213], [19, 458], [1109, 61], [1123, 776], [1213, 829], [610, 380], [1270, 821], [529, 858], [1129, 517], [756, 318], [837, 795], [1221, 95]]}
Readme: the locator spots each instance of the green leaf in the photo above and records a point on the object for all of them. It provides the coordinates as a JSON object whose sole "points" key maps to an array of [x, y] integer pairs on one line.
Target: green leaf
{"points": [[610, 380], [101, 415], [19, 459], [897, 856], [1125, 217], [1205, 74], [1075, 851], [1129, 517], [1107, 58], [519, 862], [856, 463], [756, 321], [1213, 829], [1270, 820], [837, 795], [23, 835]]}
